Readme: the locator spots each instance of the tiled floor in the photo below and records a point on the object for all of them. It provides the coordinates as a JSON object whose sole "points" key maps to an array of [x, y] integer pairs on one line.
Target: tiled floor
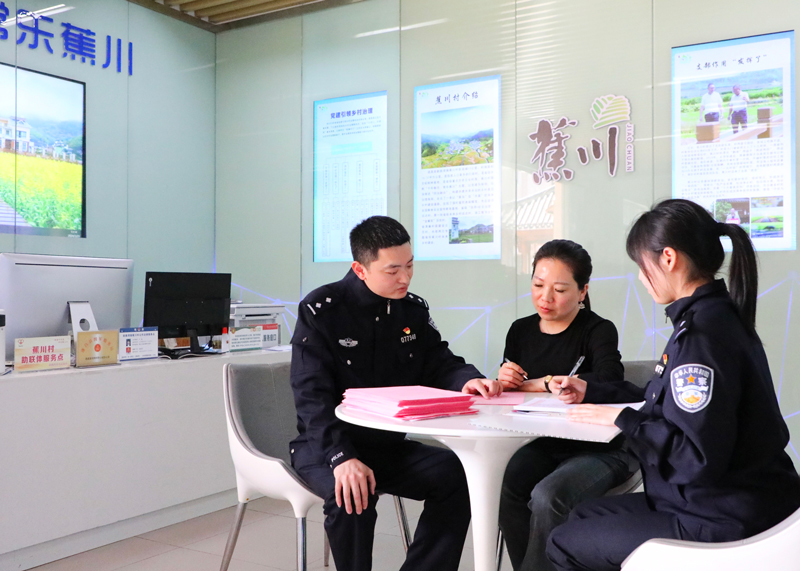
{"points": [[266, 542]]}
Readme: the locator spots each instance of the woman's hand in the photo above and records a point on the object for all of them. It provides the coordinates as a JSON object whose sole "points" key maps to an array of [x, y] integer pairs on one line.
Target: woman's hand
{"points": [[511, 376], [534, 386], [571, 390], [594, 414], [487, 388]]}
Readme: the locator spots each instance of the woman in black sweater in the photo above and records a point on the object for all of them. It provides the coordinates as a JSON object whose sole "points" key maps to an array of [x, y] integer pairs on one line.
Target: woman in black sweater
{"points": [[548, 477]]}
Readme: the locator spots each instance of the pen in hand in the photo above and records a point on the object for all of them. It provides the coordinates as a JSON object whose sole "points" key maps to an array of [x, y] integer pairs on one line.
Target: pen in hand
{"points": [[507, 360], [573, 371]]}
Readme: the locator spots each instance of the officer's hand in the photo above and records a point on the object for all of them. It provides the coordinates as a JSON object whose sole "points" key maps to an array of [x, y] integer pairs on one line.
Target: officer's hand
{"points": [[570, 390], [355, 481], [485, 387], [511, 376], [594, 414]]}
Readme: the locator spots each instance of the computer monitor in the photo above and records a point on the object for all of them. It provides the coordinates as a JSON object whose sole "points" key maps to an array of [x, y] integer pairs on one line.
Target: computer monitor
{"points": [[187, 304], [35, 289]]}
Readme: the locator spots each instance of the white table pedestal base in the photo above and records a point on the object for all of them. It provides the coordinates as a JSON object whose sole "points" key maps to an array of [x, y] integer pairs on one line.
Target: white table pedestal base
{"points": [[484, 461]]}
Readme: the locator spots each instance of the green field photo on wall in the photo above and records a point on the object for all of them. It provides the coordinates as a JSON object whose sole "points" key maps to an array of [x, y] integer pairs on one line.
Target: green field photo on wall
{"points": [[42, 139], [763, 88], [457, 137], [45, 193]]}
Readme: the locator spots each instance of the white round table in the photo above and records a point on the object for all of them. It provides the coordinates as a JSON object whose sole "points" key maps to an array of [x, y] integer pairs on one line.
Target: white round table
{"points": [[484, 452]]}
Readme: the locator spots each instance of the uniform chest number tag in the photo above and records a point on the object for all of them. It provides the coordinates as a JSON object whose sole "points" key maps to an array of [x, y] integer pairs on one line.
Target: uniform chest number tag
{"points": [[692, 386]]}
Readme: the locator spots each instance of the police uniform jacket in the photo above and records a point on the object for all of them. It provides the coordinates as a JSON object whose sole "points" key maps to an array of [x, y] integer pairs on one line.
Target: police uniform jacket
{"points": [[349, 337], [710, 437]]}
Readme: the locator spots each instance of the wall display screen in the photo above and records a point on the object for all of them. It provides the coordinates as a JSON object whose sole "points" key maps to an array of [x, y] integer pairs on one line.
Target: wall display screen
{"points": [[350, 179], [733, 142], [457, 170], [42, 142]]}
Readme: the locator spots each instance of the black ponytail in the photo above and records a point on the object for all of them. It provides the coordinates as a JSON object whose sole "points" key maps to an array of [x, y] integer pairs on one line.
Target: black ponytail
{"points": [[688, 228], [743, 271], [572, 255]]}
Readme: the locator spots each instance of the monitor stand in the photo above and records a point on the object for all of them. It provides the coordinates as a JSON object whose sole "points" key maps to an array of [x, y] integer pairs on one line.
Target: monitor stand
{"points": [[194, 344], [81, 317]]}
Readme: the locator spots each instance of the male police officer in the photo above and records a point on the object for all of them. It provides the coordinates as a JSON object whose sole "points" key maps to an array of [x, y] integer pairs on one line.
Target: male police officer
{"points": [[368, 331]]}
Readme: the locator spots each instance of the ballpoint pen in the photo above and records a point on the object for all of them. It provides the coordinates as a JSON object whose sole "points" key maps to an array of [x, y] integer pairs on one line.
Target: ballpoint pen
{"points": [[524, 376], [573, 371]]}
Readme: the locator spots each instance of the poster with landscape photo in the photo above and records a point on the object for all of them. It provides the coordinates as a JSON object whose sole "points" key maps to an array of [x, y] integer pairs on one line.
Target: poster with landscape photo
{"points": [[42, 159], [457, 171], [733, 134]]}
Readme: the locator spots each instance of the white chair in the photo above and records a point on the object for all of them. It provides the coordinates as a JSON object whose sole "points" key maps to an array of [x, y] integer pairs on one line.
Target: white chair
{"points": [[261, 419], [777, 549]]}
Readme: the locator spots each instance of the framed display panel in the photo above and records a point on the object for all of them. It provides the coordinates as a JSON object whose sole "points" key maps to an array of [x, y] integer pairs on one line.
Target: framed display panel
{"points": [[733, 140], [350, 179], [42, 154], [457, 170]]}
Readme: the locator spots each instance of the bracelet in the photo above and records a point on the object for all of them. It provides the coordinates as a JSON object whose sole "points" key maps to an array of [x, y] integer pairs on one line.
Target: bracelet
{"points": [[547, 380]]}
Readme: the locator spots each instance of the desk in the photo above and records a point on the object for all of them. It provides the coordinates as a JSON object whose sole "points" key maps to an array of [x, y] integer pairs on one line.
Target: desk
{"points": [[92, 456], [484, 452]]}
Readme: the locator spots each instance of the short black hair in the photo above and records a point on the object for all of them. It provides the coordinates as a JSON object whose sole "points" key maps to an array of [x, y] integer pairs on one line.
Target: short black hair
{"points": [[373, 234]]}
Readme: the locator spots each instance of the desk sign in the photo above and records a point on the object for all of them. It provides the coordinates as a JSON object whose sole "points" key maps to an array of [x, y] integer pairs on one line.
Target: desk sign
{"points": [[245, 338], [94, 348], [41, 353], [138, 343]]}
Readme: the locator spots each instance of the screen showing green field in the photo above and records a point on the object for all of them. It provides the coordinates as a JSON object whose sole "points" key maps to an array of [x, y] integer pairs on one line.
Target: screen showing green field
{"points": [[42, 142]]}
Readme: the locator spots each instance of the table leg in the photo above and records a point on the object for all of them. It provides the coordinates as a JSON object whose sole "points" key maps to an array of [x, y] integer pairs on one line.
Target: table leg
{"points": [[484, 461]]}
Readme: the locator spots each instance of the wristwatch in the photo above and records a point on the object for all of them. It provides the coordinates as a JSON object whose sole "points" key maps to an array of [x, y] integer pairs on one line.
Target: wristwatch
{"points": [[547, 380]]}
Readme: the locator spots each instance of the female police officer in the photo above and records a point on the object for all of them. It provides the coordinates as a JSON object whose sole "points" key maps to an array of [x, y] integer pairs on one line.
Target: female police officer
{"points": [[710, 437]]}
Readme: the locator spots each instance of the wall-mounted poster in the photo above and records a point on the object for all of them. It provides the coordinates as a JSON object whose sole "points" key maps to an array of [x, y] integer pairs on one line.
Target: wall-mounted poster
{"points": [[42, 163], [733, 144], [457, 170], [350, 180]]}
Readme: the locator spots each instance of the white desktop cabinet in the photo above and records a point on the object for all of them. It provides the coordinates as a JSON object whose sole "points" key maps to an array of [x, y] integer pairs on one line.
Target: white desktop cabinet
{"points": [[91, 456]]}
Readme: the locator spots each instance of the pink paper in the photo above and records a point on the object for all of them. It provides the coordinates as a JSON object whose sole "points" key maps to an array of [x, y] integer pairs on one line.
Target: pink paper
{"points": [[407, 395], [510, 398], [402, 411], [413, 416]]}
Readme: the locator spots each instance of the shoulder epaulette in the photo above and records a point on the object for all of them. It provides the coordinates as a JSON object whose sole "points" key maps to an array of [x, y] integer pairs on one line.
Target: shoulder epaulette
{"points": [[320, 300], [417, 299], [684, 324]]}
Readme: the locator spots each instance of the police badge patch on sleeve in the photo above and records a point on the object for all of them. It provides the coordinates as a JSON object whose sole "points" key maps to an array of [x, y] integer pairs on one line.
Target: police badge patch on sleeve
{"points": [[692, 386], [431, 323]]}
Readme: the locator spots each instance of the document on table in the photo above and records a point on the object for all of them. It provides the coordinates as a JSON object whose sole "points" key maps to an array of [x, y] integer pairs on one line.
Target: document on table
{"points": [[409, 402], [551, 406], [550, 419], [538, 425], [505, 399]]}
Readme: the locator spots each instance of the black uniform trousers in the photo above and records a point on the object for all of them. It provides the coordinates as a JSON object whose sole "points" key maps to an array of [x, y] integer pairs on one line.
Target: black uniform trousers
{"points": [[601, 533], [410, 470]]}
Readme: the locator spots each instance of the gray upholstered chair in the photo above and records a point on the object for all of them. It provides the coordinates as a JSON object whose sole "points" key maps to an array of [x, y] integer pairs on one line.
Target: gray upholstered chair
{"points": [[261, 419]]}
